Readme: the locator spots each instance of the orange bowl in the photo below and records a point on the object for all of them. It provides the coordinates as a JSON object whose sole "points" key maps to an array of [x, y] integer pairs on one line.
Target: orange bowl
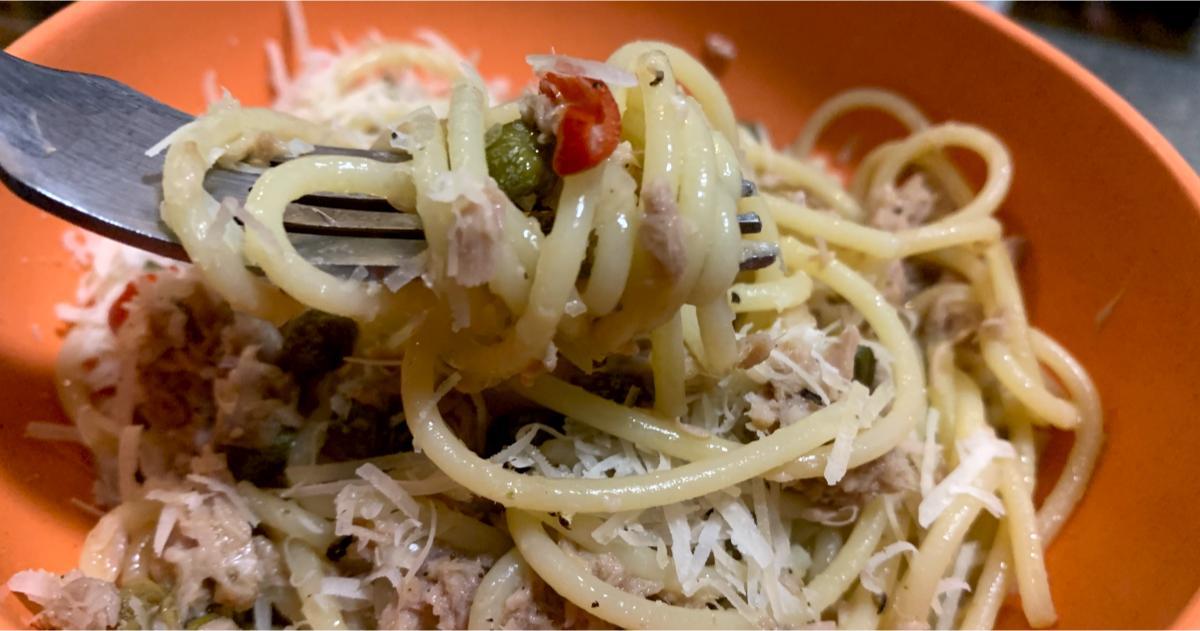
{"points": [[1110, 209]]}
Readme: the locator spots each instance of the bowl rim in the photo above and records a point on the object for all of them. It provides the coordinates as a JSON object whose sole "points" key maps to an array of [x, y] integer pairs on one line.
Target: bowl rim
{"points": [[1151, 138], [1147, 133]]}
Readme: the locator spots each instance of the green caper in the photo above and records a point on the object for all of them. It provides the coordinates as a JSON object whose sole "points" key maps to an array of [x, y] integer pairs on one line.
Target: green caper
{"points": [[366, 431], [864, 366], [261, 466], [315, 343], [200, 621], [516, 161]]}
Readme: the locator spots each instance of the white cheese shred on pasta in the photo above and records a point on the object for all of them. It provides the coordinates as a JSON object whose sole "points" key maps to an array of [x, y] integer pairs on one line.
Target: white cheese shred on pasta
{"points": [[975, 452]]}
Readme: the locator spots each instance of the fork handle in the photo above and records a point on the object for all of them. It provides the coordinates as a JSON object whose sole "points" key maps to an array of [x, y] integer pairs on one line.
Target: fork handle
{"points": [[73, 144]]}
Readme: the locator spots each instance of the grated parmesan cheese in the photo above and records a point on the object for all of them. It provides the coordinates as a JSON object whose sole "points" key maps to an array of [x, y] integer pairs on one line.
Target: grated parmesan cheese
{"points": [[573, 66], [230, 493], [868, 577], [744, 533], [843, 443], [167, 519], [406, 271], [390, 489], [343, 587], [41, 430], [951, 587], [976, 453], [949, 592]]}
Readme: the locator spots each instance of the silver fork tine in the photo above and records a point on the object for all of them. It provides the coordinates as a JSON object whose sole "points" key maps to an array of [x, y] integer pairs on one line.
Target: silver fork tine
{"points": [[305, 219], [315, 215]]}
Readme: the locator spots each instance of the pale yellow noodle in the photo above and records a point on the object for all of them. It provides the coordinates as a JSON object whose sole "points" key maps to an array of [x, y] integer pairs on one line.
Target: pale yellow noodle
{"points": [[306, 569], [502, 580], [699, 81], [271, 250], [859, 98], [392, 56], [829, 586], [572, 580], [667, 364], [1089, 436], [914, 597], [435, 439], [991, 588]]}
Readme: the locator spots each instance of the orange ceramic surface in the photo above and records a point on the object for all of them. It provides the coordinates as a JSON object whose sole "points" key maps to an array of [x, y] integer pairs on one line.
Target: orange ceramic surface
{"points": [[1108, 206]]}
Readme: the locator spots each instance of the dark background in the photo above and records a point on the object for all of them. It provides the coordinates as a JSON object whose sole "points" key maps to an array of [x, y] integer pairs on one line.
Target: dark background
{"points": [[1147, 51]]}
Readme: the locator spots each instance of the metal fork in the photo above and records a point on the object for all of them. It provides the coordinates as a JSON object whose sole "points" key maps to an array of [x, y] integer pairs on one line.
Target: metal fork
{"points": [[73, 144]]}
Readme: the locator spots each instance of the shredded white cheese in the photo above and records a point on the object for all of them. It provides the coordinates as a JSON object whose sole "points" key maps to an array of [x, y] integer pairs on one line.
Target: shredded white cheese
{"points": [[869, 578], [230, 493], [843, 443], [952, 588], [976, 453], [166, 523], [41, 430], [37, 584], [47, 148], [424, 554], [743, 532], [406, 271], [343, 587], [948, 588], [681, 540], [390, 489], [574, 66]]}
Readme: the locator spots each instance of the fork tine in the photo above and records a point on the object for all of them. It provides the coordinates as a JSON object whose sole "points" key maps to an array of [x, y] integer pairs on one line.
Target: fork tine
{"points": [[222, 183], [309, 219], [341, 255], [757, 255], [749, 223], [373, 154], [354, 215]]}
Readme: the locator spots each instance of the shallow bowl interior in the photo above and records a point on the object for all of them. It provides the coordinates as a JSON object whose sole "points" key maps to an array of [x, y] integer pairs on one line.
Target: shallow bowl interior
{"points": [[1109, 209]]}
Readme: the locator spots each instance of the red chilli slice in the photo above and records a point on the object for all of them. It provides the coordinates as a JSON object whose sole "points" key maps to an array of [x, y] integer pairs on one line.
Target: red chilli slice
{"points": [[118, 313], [590, 126]]}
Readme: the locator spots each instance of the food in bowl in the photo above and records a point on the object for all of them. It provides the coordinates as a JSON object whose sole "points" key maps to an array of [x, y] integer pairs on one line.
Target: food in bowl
{"points": [[573, 409]]}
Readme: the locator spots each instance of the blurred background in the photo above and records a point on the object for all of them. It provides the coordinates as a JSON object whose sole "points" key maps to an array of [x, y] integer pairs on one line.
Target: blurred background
{"points": [[1147, 51]]}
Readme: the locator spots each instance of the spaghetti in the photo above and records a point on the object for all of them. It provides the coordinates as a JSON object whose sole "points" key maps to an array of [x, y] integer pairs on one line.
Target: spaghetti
{"points": [[848, 436]]}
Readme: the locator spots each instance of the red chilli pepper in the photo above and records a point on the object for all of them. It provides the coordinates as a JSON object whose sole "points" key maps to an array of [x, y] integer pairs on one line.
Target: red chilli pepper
{"points": [[118, 313], [590, 126]]}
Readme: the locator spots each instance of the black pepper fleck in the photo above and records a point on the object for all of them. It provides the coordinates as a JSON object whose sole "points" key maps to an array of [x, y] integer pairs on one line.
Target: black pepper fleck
{"points": [[595, 604], [658, 78], [811, 397], [337, 550]]}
